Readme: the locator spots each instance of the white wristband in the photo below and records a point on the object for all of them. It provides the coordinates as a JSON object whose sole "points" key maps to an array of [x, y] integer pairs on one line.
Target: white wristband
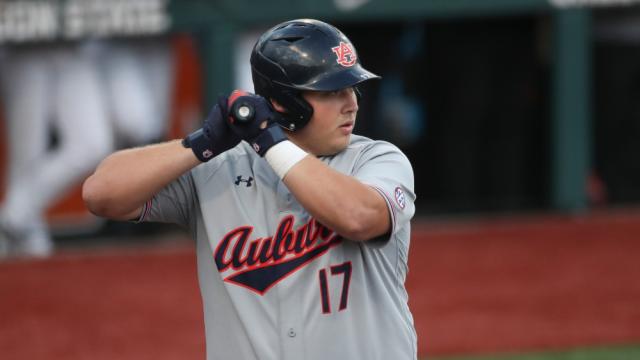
{"points": [[283, 155]]}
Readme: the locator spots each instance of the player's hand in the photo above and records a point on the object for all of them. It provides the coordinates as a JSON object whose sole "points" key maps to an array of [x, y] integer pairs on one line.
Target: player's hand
{"points": [[253, 119], [215, 136]]}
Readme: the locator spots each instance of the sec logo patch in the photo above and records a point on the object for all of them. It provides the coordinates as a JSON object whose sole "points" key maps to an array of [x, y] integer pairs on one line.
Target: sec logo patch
{"points": [[400, 198]]}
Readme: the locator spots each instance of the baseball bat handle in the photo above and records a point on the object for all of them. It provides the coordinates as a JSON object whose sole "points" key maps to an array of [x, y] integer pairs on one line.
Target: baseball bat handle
{"points": [[241, 110]]}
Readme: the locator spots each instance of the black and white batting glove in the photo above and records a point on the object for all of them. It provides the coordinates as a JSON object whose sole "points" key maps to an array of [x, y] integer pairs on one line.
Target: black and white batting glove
{"points": [[254, 120], [215, 136]]}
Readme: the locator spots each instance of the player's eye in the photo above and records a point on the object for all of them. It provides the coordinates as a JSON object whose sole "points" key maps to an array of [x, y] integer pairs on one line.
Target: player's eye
{"points": [[341, 92], [332, 93]]}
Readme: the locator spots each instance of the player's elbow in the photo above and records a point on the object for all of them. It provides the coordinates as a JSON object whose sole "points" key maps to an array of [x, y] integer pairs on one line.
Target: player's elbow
{"points": [[93, 197], [364, 228], [356, 233], [96, 198]]}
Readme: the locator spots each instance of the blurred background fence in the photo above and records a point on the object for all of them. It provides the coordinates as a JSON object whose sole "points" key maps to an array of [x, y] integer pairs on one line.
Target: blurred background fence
{"points": [[501, 105]]}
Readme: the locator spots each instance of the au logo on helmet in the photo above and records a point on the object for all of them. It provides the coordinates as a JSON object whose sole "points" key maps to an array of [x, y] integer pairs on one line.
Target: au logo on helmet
{"points": [[346, 56]]}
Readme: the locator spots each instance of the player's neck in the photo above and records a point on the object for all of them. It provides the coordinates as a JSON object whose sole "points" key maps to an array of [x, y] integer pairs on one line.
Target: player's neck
{"points": [[299, 143]]}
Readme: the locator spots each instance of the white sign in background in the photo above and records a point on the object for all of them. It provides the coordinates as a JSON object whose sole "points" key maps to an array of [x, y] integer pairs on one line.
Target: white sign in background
{"points": [[32, 20]]}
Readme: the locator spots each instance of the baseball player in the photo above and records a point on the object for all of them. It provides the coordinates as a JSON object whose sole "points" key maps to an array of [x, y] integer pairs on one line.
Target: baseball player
{"points": [[302, 228]]}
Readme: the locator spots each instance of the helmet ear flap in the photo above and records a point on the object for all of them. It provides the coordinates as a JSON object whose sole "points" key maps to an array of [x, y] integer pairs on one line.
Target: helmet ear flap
{"points": [[299, 111]]}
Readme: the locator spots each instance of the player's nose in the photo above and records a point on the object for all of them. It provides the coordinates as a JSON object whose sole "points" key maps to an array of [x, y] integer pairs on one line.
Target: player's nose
{"points": [[350, 100]]}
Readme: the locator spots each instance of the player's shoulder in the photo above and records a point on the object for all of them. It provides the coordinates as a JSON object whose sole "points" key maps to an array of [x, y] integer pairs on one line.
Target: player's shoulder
{"points": [[363, 150], [362, 144]]}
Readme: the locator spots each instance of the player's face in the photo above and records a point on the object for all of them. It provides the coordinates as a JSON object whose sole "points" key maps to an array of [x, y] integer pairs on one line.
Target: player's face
{"points": [[334, 116]]}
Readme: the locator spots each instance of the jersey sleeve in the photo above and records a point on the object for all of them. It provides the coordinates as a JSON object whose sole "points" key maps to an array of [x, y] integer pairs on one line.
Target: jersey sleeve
{"points": [[175, 203], [386, 169]]}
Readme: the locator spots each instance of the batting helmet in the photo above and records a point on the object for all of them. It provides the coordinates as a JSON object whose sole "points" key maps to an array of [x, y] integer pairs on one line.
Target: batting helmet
{"points": [[300, 55]]}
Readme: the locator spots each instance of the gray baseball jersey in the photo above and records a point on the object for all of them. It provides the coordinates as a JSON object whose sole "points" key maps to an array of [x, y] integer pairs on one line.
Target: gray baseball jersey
{"points": [[278, 285]]}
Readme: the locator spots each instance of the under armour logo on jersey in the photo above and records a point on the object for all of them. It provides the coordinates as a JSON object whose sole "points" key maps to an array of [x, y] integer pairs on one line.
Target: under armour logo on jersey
{"points": [[239, 180], [259, 264], [345, 54]]}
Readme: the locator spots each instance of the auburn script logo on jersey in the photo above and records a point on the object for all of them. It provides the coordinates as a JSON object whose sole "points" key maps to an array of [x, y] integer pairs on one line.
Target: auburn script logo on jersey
{"points": [[345, 54], [259, 264]]}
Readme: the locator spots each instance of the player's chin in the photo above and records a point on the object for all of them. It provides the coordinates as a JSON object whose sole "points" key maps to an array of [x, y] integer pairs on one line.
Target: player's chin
{"points": [[340, 143], [333, 145]]}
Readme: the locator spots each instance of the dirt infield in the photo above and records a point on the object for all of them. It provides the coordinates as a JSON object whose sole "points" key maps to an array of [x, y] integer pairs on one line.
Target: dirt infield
{"points": [[517, 285], [132, 305], [475, 287]]}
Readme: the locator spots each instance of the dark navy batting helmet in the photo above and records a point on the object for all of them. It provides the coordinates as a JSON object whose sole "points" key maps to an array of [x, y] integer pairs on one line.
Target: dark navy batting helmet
{"points": [[301, 55]]}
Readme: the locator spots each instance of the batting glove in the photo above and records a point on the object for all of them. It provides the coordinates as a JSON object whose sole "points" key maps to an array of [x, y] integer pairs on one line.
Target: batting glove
{"points": [[215, 136], [254, 120]]}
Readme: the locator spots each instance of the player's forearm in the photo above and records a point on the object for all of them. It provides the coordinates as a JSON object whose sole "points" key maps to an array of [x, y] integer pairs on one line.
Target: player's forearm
{"points": [[125, 180], [338, 201]]}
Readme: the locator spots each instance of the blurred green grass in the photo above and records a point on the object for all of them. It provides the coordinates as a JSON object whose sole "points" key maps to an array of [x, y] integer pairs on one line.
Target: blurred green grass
{"points": [[631, 352]]}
